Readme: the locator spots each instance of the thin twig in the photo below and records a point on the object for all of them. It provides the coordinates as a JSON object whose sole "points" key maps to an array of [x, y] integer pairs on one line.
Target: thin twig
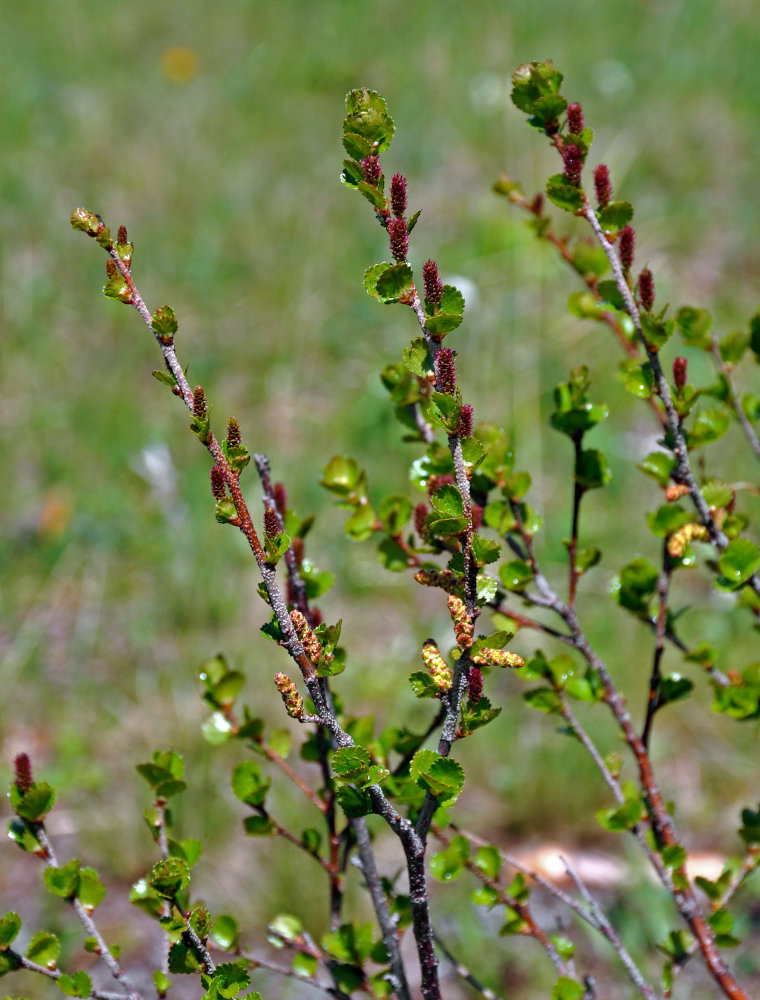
{"points": [[464, 973], [610, 933], [103, 951], [663, 588], [733, 401], [56, 974]]}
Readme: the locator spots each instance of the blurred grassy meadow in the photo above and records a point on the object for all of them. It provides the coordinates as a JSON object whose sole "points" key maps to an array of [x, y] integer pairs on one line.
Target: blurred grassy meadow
{"points": [[213, 132]]}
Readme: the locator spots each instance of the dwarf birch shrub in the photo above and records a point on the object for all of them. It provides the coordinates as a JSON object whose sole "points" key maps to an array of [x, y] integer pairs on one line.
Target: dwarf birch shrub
{"points": [[468, 529]]}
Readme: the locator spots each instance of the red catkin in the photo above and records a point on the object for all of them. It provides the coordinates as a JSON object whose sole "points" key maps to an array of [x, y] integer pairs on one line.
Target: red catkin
{"points": [[602, 185]]}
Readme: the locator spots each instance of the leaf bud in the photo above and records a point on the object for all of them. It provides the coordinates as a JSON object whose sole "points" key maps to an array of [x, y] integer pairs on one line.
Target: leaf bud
{"points": [[290, 696], [573, 161], [446, 371], [398, 239], [200, 406], [439, 669], [398, 195], [475, 684], [463, 627], [111, 268], [121, 236], [646, 289], [680, 367], [372, 169], [433, 284], [575, 118], [91, 223], [271, 522], [602, 185], [22, 770], [465, 421], [627, 243], [218, 484]]}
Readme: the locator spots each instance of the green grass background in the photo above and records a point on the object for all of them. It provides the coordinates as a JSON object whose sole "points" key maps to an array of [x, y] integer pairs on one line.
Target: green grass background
{"points": [[114, 590]]}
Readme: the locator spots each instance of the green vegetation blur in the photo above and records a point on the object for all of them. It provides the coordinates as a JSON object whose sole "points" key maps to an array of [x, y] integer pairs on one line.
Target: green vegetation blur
{"points": [[212, 131]]}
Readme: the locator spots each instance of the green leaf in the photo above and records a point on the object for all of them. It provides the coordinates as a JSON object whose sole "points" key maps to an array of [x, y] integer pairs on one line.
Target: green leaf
{"points": [[362, 523], [590, 259], [78, 984], [162, 983], [392, 555], [91, 891], [393, 513], [611, 295], [566, 196], [63, 881], [674, 687], [8, 962], [374, 195], [532, 81], [367, 116], [614, 216], [568, 989], [452, 301], [183, 960], [417, 358], [657, 331], [44, 949], [488, 860], [357, 147], [635, 585], [354, 802], [317, 581], [625, 816], [733, 346], [33, 803], [446, 411], [164, 322], [485, 550], [441, 776], [217, 729], [544, 700], [304, 966], [10, 925], [169, 877], [694, 326], [709, 425], [592, 470], [667, 519], [750, 828], [449, 864], [225, 932], [258, 826], [739, 560], [343, 476], [423, 685], [394, 281], [639, 380], [447, 501], [249, 783], [659, 465], [117, 288], [516, 485], [515, 575]]}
